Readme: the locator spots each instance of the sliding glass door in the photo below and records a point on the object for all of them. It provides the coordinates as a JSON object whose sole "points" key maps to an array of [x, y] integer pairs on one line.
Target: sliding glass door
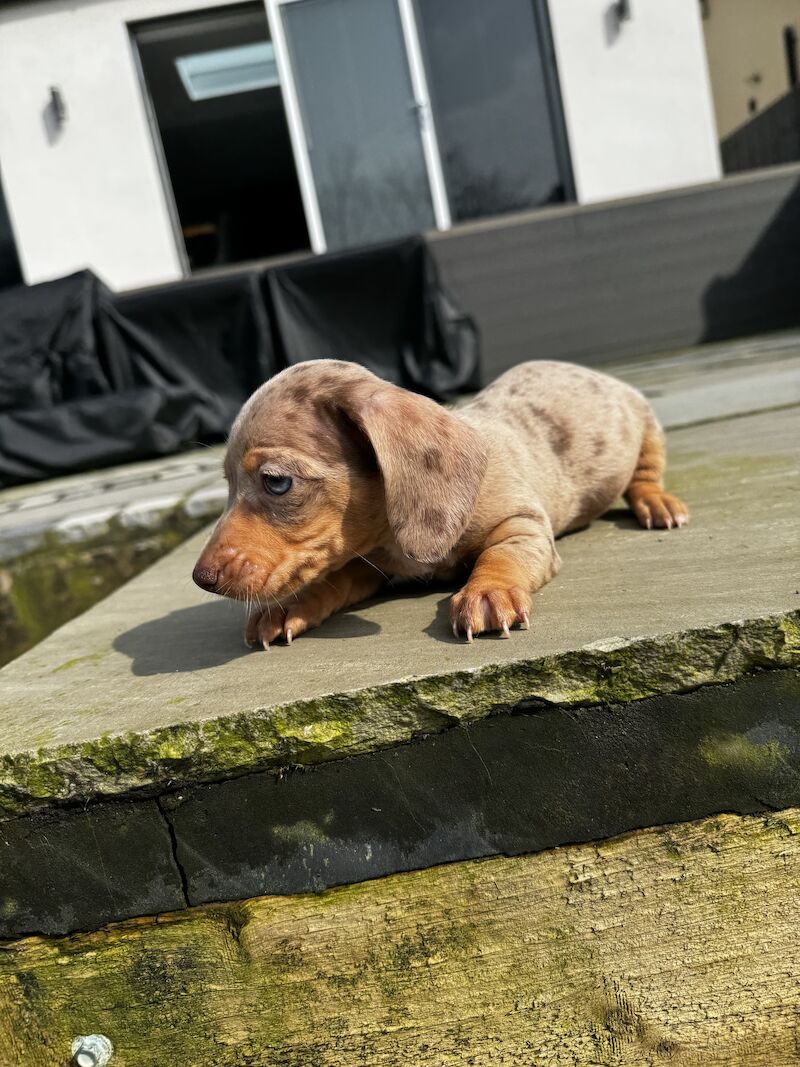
{"points": [[361, 119], [495, 100], [405, 114], [212, 92]]}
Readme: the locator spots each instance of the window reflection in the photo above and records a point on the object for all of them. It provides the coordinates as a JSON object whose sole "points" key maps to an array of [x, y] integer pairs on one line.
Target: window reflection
{"points": [[492, 105]]}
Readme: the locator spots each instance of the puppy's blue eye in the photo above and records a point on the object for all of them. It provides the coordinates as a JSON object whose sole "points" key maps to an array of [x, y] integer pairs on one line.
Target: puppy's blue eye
{"points": [[277, 484]]}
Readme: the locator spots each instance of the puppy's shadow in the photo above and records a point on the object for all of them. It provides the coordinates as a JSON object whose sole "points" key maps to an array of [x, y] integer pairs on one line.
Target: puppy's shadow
{"points": [[622, 518], [189, 639], [208, 635], [343, 624], [440, 627]]}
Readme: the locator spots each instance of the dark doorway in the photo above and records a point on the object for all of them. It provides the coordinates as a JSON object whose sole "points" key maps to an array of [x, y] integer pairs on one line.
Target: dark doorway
{"points": [[10, 273], [215, 98]]}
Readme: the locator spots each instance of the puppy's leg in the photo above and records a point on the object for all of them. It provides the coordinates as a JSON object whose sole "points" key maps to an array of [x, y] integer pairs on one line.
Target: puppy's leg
{"points": [[313, 604], [650, 503], [518, 557]]}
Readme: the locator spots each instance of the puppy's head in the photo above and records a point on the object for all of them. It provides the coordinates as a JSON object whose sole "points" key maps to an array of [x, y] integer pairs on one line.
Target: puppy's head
{"points": [[326, 462]]}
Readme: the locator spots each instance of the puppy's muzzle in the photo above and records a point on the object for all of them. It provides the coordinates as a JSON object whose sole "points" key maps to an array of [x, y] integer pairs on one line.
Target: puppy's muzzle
{"points": [[206, 577]]}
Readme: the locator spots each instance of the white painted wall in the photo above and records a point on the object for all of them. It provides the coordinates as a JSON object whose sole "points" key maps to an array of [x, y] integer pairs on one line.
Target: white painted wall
{"points": [[636, 96], [92, 196], [637, 104]]}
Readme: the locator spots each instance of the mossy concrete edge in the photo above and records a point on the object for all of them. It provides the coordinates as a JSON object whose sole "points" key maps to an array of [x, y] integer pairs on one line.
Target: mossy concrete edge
{"points": [[344, 724]]}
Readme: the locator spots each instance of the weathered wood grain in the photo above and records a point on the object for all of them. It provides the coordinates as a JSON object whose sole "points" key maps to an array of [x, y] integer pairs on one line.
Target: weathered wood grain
{"points": [[674, 945]]}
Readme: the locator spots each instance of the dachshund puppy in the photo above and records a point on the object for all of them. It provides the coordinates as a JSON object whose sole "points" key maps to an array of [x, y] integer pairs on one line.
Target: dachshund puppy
{"points": [[338, 481]]}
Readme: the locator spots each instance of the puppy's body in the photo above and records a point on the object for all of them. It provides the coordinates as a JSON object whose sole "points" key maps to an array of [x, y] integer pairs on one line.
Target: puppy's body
{"points": [[563, 436], [386, 483]]}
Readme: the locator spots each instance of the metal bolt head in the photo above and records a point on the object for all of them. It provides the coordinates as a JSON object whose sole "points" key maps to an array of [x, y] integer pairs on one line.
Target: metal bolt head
{"points": [[91, 1050]]}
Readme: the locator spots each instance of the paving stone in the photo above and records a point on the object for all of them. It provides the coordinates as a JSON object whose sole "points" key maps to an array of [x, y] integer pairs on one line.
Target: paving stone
{"points": [[509, 785], [155, 687], [68, 871]]}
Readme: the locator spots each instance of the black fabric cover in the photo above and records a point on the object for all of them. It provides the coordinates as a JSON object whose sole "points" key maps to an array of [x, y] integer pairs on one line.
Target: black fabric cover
{"points": [[89, 379], [83, 386], [382, 307]]}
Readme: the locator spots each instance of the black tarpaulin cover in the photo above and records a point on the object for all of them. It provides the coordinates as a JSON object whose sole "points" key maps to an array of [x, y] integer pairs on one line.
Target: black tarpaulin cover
{"points": [[89, 379]]}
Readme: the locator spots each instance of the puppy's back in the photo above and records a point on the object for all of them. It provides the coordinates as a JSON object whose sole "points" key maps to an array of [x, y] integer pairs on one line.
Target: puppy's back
{"points": [[571, 433]]}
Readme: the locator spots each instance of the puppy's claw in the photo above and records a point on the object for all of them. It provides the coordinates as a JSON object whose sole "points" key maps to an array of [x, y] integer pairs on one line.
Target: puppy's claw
{"points": [[526, 621], [265, 645], [455, 630], [506, 631], [289, 636], [469, 634]]}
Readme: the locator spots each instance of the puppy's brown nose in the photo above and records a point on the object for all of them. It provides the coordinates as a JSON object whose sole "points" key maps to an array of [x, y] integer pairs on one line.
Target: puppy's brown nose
{"points": [[206, 578]]}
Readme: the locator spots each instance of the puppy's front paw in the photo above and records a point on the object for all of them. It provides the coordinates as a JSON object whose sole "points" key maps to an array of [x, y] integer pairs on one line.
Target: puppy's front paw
{"points": [[654, 507], [265, 626], [477, 610], [269, 624]]}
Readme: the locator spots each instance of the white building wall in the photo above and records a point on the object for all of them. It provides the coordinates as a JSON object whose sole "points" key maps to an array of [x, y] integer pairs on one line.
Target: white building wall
{"points": [[637, 106], [90, 196], [636, 96]]}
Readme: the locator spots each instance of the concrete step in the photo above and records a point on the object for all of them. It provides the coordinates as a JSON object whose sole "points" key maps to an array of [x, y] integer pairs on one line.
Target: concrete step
{"points": [[154, 685], [66, 544], [146, 753], [150, 764]]}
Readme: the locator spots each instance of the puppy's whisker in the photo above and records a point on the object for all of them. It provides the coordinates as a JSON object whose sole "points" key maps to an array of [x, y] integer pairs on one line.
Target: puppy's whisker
{"points": [[371, 564]]}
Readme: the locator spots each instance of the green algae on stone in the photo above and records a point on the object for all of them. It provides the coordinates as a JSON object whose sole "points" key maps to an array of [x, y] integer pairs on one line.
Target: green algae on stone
{"points": [[496, 961], [344, 724], [734, 752], [92, 657], [47, 586], [302, 832]]}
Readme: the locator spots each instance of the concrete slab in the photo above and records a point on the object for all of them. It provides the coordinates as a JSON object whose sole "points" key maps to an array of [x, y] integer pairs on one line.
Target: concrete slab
{"points": [[718, 380], [85, 500], [508, 785], [67, 543], [154, 686]]}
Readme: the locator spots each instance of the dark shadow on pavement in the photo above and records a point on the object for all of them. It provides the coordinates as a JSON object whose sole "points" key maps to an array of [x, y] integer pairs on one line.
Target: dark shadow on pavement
{"points": [[623, 519], [343, 624], [208, 635], [440, 627], [189, 639]]}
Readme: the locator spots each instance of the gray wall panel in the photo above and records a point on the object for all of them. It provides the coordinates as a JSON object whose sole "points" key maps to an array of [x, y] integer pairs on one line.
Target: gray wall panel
{"points": [[656, 272]]}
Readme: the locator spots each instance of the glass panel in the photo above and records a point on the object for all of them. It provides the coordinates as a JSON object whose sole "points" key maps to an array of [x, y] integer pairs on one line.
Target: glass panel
{"points": [[491, 107], [360, 121]]}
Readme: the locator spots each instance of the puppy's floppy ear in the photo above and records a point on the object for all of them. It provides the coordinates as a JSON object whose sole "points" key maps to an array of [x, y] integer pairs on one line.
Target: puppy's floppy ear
{"points": [[432, 466]]}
